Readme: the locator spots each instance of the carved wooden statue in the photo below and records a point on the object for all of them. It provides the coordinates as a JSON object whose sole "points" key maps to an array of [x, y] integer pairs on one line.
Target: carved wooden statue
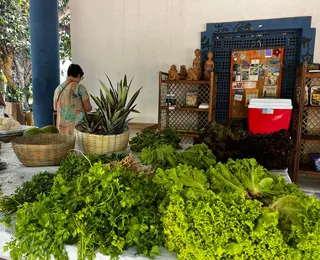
{"points": [[183, 72], [192, 75], [197, 64], [208, 66], [173, 73]]}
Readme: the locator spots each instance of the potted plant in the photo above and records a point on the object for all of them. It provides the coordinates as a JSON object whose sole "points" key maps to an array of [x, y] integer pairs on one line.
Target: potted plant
{"points": [[14, 105], [107, 130]]}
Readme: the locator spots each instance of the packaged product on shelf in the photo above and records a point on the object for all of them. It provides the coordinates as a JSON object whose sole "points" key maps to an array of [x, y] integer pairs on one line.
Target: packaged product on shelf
{"points": [[168, 99], [191, 99], [173, 99], [315, 96], [306, 95], [316, 161]]}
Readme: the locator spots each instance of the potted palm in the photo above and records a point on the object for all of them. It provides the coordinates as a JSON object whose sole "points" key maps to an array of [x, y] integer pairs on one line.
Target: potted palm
{"points": [[107, 130]]}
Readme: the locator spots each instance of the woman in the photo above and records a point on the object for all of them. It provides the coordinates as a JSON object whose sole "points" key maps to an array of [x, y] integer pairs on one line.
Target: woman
{"points": [[70, 100]]}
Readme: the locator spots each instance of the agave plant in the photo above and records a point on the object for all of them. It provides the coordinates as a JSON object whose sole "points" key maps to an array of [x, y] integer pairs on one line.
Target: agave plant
{"points": [[113, 109]]}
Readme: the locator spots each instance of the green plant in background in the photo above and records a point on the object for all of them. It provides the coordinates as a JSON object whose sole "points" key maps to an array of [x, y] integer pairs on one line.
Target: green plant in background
{"points": [[13, 94], [113, 109]]}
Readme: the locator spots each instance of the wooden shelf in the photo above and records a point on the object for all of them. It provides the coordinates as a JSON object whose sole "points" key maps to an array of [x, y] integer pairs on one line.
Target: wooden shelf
{"points": [[188, 133], [312, 107], [194, 109], [300, 116], [190, 82], [313, 75], [310, 138], [307, 169]]}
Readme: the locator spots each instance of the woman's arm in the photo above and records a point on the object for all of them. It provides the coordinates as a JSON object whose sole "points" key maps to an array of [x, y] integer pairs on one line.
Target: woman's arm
{"points": [[85, 98], [87, 105]]}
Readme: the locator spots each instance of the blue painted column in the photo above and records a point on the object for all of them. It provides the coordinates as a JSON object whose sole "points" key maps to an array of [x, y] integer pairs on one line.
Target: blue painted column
{"points": [[44, 58]]}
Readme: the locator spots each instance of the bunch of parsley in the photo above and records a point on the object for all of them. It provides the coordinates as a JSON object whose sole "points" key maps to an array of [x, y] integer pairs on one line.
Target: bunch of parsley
{"points": [[105, 209]]}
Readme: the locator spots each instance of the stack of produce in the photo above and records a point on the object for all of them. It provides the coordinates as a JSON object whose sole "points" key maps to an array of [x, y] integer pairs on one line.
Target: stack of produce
{"points": [[192, 205], [236, 211], [230, 141]]}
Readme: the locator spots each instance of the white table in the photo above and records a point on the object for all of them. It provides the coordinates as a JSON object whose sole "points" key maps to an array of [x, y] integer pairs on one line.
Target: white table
{"points": [[17, 174]]}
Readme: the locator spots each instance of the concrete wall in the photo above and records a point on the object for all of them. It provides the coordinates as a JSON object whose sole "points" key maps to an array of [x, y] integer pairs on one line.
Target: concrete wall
{"points": [[142, 37]]}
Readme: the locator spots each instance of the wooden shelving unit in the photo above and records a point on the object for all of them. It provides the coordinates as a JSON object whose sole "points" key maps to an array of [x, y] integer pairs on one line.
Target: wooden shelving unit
{"points": [[306, 124], [186, 120]]}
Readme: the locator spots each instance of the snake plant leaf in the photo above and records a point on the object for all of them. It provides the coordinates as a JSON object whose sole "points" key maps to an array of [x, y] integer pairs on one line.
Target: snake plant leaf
{"points": [[109, 96], [133, 99], [125, 82]]}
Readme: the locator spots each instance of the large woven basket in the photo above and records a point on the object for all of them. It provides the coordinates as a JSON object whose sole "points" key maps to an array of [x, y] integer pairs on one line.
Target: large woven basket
{"points": [[43, 149], [101, 144]]}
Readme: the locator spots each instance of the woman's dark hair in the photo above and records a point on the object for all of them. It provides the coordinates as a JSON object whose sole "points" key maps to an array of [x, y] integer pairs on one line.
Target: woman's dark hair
{"points": [[74, 70]]}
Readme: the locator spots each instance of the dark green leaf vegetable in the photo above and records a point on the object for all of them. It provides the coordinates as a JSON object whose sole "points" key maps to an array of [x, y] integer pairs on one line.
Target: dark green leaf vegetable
{"points": [[228, 140], [40, 183], [105, 209], [148, 138], [221, 139], [270, 150]]}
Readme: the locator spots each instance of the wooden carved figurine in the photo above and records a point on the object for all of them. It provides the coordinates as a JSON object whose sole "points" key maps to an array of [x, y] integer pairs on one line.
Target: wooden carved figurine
{"points": [[183, 72], [192, 75], [173, 73], [208, 66], [197, 64]]}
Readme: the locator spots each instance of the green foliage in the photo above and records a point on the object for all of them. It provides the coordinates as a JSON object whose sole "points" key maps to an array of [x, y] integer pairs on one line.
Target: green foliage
{"points": [[149, 138], [13, 94], [14, 25], [106, 209], [164, 157], [113, 109], [74, 165], [237, 210], [40, 183]]}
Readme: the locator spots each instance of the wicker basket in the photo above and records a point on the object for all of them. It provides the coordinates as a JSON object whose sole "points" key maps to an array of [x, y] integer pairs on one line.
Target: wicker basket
{"points": [[101, 144], [43, 149]]}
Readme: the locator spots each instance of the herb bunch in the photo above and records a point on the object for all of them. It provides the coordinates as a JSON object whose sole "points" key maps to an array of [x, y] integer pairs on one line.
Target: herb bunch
{"points": [[148, 138], [106, 209]]}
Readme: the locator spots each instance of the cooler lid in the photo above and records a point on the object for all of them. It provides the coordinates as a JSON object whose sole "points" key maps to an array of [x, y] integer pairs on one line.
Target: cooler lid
{"points": [[279, 103]]}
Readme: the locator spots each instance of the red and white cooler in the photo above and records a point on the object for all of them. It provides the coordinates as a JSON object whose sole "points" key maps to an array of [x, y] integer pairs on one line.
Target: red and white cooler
{"points": [[269, 115]]}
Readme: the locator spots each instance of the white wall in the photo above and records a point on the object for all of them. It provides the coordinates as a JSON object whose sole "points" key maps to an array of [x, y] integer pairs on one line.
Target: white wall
{"points": [[142, 37]]}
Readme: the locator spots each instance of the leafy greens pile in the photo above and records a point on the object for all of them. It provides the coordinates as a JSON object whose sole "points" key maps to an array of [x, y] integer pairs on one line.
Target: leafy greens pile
{"points": [[71, 166], [192, 205], [164, 157], [236, 210], [107, 209], [230, 141], [28, 192], [222, 139], [149, 138]]}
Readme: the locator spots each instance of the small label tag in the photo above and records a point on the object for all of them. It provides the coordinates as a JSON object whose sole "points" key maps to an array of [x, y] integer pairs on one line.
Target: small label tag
{"points": [[171, 108], [268, 111]]}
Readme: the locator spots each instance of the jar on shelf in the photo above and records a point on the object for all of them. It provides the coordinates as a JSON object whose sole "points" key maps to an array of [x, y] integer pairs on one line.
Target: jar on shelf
{"points": [[168, 99], [173, 99]]}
